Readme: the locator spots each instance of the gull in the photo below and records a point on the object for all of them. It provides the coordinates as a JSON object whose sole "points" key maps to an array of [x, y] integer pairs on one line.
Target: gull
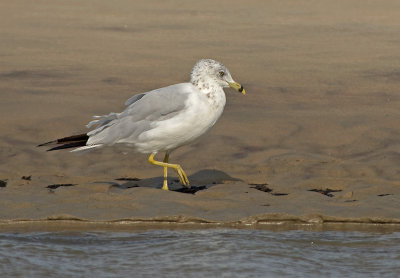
{"points": [[161, 120]]}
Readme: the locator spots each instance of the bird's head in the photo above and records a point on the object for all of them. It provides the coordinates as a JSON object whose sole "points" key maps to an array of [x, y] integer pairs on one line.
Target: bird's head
{"points": [[207, 70]]}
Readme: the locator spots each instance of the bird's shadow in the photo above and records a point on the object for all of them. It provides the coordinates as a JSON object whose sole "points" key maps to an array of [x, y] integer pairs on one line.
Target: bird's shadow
{"points": [[201, 180]]}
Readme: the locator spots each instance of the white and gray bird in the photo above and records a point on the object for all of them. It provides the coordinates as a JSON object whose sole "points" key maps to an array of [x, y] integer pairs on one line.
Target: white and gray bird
{"points": [[162, 120]]}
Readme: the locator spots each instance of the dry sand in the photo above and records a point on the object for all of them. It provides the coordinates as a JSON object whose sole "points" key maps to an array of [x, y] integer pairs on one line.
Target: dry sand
{"points": [[321, 110]]}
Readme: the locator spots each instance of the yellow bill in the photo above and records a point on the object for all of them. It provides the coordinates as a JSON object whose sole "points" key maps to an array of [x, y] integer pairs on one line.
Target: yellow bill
{"points": [[237, 87]]}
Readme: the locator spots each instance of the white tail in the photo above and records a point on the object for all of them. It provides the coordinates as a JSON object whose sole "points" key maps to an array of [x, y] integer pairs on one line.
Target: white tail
{"points": [[87, 148]]}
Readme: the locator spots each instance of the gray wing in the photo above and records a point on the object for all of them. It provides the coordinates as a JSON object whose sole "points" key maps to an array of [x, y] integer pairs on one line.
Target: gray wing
{"points": [[134, 99], [142, 112]]}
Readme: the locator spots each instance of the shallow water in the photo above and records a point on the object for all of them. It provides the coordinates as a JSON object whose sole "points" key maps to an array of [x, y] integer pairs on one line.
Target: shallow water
{"points": [[200, 253]]}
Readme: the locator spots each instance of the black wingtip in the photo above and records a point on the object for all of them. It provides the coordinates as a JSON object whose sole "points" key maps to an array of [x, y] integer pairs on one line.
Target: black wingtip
{"points": [[68, 146], [73, 138], [67, 142], [47, 143]]}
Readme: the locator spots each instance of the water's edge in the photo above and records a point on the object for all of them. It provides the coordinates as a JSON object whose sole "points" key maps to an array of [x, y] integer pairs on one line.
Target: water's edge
{"points": [[144, 225]]}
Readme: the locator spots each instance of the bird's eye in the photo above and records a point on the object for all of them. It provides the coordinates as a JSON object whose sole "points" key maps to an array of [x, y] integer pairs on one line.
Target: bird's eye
{"points": [[221, 73]]}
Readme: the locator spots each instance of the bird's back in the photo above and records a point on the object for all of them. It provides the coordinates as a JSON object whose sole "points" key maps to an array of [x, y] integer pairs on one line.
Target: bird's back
{"points": [[144, 113]]}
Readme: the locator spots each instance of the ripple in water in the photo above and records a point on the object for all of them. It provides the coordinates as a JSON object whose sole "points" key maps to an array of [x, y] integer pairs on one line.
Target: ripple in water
{"points": [[200, 253]]}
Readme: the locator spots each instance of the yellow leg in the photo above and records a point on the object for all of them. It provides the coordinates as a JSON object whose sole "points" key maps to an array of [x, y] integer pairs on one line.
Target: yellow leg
{"points": [[181, 174], [165, 183]]}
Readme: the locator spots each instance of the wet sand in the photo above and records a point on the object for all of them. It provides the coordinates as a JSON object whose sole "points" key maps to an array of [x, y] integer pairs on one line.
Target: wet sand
{"points": [[315, 140]]}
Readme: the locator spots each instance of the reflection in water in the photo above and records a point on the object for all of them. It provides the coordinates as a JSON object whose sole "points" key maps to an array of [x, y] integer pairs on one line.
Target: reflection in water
{"points": [[200, 253]]}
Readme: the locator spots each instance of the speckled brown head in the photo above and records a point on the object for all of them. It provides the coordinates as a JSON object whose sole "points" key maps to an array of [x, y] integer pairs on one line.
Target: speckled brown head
{"points": [[208, 71]]}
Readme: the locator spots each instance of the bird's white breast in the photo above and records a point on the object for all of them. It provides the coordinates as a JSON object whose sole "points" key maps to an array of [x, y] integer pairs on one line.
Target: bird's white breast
{"points": [[201, 112]]}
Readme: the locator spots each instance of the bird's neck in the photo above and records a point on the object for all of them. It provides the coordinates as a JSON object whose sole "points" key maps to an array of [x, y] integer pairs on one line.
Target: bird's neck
{"points": [[205, 86], [212, 90]]}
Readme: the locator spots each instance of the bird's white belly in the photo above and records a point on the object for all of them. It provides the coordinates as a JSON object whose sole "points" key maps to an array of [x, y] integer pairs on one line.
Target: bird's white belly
{"points": [[182, 129]]}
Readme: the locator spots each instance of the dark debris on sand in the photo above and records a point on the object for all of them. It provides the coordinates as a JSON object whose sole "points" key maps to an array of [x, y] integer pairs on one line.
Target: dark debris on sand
{"points": [[125, 185], [264, 188], [3, 183], [326, 192], [128, 179], [54, 186], [191, 190]]}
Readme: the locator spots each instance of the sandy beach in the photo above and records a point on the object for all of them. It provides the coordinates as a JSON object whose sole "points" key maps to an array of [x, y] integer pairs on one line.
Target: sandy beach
{"points": [[315, 140]]}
